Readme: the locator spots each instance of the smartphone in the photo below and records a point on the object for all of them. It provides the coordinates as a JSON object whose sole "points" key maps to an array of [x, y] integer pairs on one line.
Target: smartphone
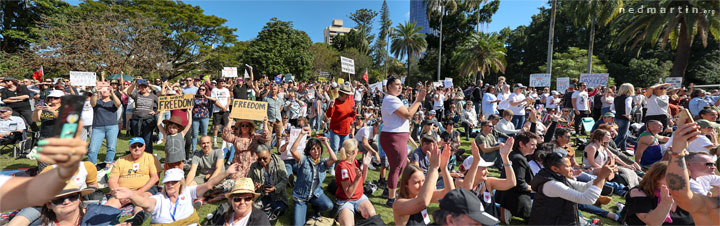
{"points": [[41, 103], [67, 123], [684, 117]]}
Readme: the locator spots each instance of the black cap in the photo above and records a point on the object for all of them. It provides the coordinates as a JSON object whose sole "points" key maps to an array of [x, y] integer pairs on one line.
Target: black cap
{"points": [[462, 201], [427, 122], [428, 137]]}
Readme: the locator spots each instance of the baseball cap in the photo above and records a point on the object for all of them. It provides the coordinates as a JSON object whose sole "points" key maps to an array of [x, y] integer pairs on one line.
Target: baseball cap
{"points": [[707, 124], [431, 112], [137, 140], [427, 122], [173, 174], [56, 93], [468, 162], [429, 137], [554, 92], [334, 85], [519, 85], [462, 201]]}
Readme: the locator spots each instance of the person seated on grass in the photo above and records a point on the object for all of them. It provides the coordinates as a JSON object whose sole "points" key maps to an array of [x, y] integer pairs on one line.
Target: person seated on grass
{"points": [[137, 171], [516, 201], [704, 210], [483, 186], [557, 194], [11, 127], [206, 163], [461, 207], [702, 173], [419, 156], [311, 170], [270, 179], [487, 143], [650, 203], [648, 150], [175, 204], [415, 195], [242, 211], [349, 177], [607, 119], [505, 124], [598, 154], [67, 209]]}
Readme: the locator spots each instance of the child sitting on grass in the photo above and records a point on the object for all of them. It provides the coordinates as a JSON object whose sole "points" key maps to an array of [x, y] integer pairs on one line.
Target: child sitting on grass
{"points": [[174, 141]]}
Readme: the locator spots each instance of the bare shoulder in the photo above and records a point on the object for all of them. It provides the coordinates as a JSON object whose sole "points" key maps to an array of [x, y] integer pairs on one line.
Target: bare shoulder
{"points": [[637, 193]]}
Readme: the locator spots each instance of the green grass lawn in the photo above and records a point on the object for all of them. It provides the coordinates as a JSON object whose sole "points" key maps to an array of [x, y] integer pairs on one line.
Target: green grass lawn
{"points": [[8, 162]]}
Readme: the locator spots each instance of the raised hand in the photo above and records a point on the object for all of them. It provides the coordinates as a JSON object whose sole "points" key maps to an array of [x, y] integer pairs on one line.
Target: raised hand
{"points": [[434, 157], [445, 156], [506, 148], [366, 159], [665, 194], [123, 193], [607, 169], [474, 150], [420, 96], [233, 169], [684, 135]]}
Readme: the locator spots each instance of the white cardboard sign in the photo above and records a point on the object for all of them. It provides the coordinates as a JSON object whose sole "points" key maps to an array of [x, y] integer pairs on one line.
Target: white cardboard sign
{"points": [[230, 72], [348, 65], [540, 80], [83, 78]]}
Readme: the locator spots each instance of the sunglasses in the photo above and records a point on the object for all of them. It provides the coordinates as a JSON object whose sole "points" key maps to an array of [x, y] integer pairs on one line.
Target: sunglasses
{"points": [[662, 88], [53, 98], [709, 164], [244, 126], [266, 159], [246, 198], [61, 200], [137, 145]]}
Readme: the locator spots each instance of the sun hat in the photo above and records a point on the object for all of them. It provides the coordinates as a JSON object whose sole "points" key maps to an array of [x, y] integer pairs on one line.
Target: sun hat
{"points": [[609, 114], [468, 163], [173, 174], [56, 93], [72, 187], [346, 89], [174, 119], [243, 185]]}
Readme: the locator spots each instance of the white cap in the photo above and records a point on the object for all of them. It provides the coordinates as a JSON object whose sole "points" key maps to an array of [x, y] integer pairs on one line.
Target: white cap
{"points": [[56, 93], [468, 162], [333, 84], [173, 174]]}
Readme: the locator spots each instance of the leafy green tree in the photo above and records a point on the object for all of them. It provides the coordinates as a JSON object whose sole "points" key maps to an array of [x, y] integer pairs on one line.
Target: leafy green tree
{"points": [[353, 39], [668, 25], [572, 63], [281, 49], [481, 54], [363, 22], [648, 71], [408, 41], [591, 13], [440, 8], [325, 58], [18, 18], [381, 44], [707, 69]]}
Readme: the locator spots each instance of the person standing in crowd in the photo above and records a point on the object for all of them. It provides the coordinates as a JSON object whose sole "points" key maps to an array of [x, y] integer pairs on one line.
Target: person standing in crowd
{"points": [[242, 88], [17, 97], [245, 140], [275, 106], [190, 87], [504, 97], [174, 141], [517, 201], [47, 116], [581, 106], [476, 96], [341, 115], [221, 110], [395, 132], [469, 119], [105, 124], [202, 104], [142, 123], [623, 106], [517, 103], [490, 102], [657, 105]]}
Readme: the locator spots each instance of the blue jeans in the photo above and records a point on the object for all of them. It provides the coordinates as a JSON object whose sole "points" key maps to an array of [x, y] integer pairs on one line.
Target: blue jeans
{"points": [[229, 154], [316, 123], [623, 128], [289, 166], [518, 121], [335, 142], [593, 209], [200, 127], [100, 133], [319, 204]]}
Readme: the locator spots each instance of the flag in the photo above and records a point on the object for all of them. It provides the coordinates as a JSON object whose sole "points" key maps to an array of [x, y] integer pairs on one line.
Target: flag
{"points": [[278, 78], [246, 74], [38, 75], [365, 76]]}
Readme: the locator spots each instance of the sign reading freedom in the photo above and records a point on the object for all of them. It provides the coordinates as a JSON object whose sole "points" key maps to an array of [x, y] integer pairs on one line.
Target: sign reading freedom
{"points": [[248, 109], [175, 102]]}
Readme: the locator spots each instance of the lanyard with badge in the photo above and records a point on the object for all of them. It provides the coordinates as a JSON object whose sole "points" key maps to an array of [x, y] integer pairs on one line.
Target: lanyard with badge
{"points": [[177, 200]]}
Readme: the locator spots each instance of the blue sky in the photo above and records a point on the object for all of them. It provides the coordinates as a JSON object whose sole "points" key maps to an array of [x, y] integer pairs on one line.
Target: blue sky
{"points": [[312, 16]]}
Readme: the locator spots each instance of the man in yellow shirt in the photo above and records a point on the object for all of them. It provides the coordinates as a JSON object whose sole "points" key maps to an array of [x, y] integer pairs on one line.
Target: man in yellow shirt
{"points": [[137, 171]]}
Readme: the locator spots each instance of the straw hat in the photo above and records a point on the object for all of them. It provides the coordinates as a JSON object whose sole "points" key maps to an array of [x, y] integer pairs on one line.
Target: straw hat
{"points": [[346, 89], [71, 187], [243, 186]]}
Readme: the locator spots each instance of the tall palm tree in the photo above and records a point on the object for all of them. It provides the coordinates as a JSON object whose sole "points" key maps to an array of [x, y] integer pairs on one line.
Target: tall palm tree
{"points": [[679, 29], [475, 6], [482, 53], [589, 13], [407, 41], [443, 7]]}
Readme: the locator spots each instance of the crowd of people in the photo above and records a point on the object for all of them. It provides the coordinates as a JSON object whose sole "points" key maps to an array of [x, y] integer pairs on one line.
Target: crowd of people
{"points": [[555, 153]]}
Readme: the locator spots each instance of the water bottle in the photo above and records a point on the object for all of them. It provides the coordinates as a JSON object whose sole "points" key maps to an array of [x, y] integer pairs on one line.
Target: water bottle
{"points": [[209, 216]]}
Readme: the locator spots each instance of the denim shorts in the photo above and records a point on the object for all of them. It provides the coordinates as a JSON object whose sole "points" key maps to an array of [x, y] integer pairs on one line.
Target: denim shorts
{"points": [[351, 205]]}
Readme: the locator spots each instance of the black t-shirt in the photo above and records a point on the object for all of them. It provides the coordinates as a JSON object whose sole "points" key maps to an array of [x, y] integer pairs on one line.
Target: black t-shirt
{"points": [[19, 91], [240, 92], [635, 205]]}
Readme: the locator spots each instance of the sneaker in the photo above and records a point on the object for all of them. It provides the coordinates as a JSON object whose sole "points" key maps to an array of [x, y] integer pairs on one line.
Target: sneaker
{"points": [[197, 203], [389, 203], [620, 206], [371, 167], [332, 173], [505, 216]]}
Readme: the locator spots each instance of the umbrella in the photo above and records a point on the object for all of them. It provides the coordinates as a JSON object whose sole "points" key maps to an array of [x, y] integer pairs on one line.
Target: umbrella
{"points": [[125, 77]]}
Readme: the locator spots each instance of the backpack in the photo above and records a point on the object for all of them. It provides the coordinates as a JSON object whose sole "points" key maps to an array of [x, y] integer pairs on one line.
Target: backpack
{"points": [[372, 221], [321, 221]]}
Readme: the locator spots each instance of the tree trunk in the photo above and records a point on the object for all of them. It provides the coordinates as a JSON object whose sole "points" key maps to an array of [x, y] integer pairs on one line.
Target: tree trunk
{"points": [[442, 11], [590, 48], [682, 55], [409, 60], [550, 39]]}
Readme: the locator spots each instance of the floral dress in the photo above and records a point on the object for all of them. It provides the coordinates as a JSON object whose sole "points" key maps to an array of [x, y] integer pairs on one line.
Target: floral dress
{"points": [[243, 155]]}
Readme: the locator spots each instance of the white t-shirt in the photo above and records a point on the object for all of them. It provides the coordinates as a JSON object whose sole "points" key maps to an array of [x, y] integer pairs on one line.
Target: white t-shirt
{"points": [[163, 212], [365, 132], [438, 103], [520, 108], [3, 179], [391, 121], [698, 145], [658, 105], [607, 101], [222, 97], [581, 100], [549, 104], [702, 185], [358, 94], [87, 114], [504, 101]]}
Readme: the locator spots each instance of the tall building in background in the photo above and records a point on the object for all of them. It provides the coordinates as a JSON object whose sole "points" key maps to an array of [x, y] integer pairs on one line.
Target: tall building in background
{"points": [[418, 14], [335, 29]]}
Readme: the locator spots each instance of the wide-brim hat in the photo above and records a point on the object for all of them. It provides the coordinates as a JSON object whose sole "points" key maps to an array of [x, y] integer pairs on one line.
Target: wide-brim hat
{"points": [[345, 89], [173, 119], [71, 187], [241, 121], [242, 185]]}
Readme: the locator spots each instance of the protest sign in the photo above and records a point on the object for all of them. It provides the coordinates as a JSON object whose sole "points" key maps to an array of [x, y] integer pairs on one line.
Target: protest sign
{"points": [[402, 80], [248, 109], [593, 80], [539, 80], [341, 81], [230, 72], [323, 77], [675, 81], [447, 83], [384, 82], [83, 78], [562, 84], [348, 65], [376, 86], [294, 133], [166, 103]]}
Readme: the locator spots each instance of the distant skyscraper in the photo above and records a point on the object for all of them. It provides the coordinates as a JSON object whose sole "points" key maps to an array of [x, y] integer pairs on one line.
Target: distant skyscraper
{"points": [[334, 30], [418, 14]]}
